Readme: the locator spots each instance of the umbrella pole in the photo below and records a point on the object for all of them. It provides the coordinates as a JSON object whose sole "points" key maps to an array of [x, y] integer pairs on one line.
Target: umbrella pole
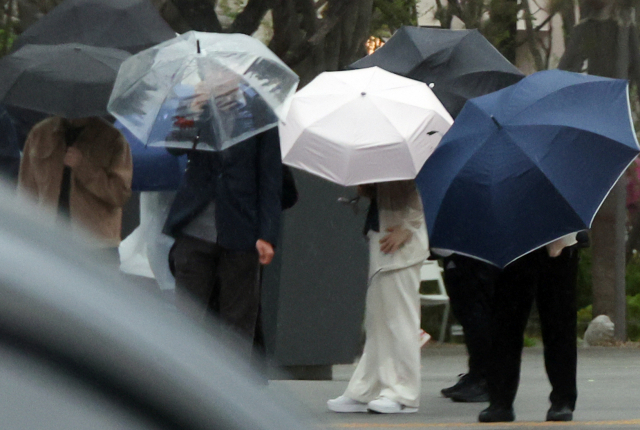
{"points": [[195, 141]]}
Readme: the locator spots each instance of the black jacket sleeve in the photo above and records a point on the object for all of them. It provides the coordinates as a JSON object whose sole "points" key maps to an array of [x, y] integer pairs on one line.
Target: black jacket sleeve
{"points": [[269, 185]]}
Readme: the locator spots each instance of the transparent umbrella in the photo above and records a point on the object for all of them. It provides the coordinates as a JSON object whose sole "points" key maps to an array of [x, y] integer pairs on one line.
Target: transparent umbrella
{"points": [[202, 91]]}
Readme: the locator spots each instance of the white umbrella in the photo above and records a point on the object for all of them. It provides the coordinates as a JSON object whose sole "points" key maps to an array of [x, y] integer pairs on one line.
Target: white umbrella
{"points": [[202, 91], [362, 126]]}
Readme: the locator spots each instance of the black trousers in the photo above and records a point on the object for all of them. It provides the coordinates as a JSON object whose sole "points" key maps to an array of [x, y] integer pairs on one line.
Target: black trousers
{"points": [[211, 280], [552, 283], [469, 284]]}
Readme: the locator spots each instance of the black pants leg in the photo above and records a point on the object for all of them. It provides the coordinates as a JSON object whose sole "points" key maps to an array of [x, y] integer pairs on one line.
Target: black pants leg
{"points": [[195, 268], [513, 297], [469, 284], [239, 296], [214, 280], [556, 299]]}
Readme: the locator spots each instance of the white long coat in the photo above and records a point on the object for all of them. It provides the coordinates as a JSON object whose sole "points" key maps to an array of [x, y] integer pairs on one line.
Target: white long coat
{"points": [[410, 217]]}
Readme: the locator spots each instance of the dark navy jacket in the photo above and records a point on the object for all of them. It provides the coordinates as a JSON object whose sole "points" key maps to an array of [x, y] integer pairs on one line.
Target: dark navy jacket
{"points": [[245, 181]]}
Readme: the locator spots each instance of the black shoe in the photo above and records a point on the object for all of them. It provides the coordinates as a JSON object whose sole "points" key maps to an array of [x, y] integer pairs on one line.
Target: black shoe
{"points": [[559, 413], [462, 382], [473, 392], [494, 414]]}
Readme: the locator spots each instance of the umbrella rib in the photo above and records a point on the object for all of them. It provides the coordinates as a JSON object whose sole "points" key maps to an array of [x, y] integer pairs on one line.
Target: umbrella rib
{"points": [[526, 154], [464, 165], [384, 116], [153, 69]]}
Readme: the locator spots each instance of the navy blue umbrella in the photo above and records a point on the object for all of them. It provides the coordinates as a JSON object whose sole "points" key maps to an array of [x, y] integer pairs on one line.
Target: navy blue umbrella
{"points": [[154, 168], [526, 165]]}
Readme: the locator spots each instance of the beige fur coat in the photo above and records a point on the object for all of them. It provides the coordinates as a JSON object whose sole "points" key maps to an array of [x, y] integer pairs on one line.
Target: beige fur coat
{"points": [[100, 184]]}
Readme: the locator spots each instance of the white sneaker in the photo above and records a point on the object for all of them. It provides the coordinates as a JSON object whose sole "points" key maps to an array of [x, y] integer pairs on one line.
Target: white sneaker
{"points": [[345, 404], [382, 405]]}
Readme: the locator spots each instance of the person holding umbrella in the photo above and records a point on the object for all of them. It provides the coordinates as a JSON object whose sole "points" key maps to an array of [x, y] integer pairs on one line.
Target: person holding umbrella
{"points": [[374, 129], [518, 174], [79, 169], [469, 283], [457, 65], [225, 219], [387, 378], [549, 276], [215, 97]]}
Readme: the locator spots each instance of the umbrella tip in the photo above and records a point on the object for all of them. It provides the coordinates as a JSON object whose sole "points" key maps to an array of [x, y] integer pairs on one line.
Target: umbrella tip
{"points": [[431, 85], [198, 45], [496, 121]]}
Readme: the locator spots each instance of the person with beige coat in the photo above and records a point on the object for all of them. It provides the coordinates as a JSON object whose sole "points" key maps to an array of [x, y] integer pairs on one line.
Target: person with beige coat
{"points": [[387, 377], [81, 168]]}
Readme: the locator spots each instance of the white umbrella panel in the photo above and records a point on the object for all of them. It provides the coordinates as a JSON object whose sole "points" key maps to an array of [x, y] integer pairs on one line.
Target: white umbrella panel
{"points": [[362, 126]]}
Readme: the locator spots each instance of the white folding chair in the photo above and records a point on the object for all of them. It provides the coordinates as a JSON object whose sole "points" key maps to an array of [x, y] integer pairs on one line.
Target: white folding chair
{"points": [[431, 271]]}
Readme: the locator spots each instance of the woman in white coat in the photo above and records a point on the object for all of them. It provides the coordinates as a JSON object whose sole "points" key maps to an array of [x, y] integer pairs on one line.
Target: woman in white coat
{"points": [[387, 377]]}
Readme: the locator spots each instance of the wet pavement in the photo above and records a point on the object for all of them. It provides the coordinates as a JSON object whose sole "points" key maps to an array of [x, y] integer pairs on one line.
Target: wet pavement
{"points": [[608, 393]]}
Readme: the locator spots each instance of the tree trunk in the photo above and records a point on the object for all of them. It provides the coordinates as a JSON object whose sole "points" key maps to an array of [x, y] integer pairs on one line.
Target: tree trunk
{"points": [[610, 49], [338, 40], [502, 27], [200, 14], [609, 263]]}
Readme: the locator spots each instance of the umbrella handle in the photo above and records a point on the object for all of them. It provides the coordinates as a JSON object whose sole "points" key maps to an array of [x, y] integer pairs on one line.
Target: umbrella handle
{"points": [[196, 139], [350, 201]]}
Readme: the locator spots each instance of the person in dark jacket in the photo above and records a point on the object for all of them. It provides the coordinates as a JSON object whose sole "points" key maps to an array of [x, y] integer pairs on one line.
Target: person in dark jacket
{"points": [[469, 283], [547, 275], [226, 218]]}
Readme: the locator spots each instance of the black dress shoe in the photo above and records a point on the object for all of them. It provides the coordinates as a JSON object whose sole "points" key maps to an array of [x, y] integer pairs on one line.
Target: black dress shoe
{"points": [[473, 392], [462, 382], [559, 413], [494, 414]]}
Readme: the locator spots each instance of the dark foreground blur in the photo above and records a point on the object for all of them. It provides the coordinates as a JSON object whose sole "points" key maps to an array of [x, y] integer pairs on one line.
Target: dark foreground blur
{"points": [[82, 348]]}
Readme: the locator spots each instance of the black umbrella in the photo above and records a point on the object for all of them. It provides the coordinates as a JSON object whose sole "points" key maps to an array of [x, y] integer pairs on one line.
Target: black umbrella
{"points": [[69, 80], [130, 25], [456, 64]]}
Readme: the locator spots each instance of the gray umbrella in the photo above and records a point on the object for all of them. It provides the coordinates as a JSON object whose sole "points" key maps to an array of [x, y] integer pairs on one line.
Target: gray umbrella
{"points": [[69, 80], [456, 64], [131, 25]]}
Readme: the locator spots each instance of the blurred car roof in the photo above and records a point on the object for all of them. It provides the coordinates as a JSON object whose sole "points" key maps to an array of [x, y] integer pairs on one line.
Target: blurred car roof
{"points": [[81, 348]]}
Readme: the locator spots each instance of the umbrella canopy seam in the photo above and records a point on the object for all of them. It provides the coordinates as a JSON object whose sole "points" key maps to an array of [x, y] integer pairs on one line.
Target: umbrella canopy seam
{"points": [[542, 99]]}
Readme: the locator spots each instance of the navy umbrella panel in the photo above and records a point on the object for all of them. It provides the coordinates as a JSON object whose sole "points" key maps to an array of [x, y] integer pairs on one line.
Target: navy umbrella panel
{"points": [[456, 64], [526, 165], [154, 168]]}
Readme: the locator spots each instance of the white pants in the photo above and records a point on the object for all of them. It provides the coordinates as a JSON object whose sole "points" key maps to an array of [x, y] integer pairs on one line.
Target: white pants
{"points": [[390, 364]]}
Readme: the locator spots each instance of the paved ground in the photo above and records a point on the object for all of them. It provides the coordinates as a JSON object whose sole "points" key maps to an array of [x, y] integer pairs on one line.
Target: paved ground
{"points": [[608, 385]]}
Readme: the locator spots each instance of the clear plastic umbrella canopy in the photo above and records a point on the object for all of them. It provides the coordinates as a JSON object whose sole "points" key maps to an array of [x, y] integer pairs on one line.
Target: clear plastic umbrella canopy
{"points": [[202, 91]]}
